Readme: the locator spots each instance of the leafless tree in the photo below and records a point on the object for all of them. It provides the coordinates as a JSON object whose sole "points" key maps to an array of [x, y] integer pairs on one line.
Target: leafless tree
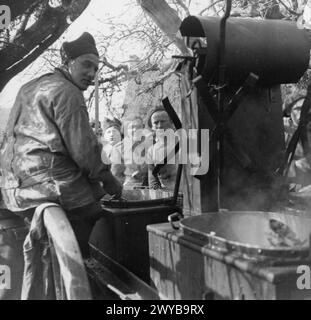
{"points": [[35, 26]]}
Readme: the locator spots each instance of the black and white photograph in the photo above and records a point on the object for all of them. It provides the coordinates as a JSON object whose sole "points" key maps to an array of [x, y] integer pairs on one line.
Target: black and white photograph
{"points": [[155, 154]]}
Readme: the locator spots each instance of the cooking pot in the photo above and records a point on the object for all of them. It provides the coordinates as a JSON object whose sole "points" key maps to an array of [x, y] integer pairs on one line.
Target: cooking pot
{"points": [[253, 234]]}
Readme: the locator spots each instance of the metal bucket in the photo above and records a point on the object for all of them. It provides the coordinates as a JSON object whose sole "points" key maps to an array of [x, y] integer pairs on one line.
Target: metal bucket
{"points": [[253, 234], [275, 50]]}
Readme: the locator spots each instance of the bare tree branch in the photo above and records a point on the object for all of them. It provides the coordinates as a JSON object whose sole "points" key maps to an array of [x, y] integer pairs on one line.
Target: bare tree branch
{"points": [[209, 7], [161, 79], [112, 67], [30, 43], [22, 28], [287, 8], [19, 7], [182, 5]]}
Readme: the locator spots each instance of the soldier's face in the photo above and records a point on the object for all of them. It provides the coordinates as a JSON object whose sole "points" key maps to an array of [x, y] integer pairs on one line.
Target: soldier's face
{"points": [[83, 70], [161, 120], [112, 135]]}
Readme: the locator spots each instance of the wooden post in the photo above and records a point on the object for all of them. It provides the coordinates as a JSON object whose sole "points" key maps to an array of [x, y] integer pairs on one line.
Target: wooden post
{"points": [[96, 105]]}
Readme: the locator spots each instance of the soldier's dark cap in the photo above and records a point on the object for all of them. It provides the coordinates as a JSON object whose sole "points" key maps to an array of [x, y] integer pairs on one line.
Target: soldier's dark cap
{"points": [[107, 123], [83, 45]]}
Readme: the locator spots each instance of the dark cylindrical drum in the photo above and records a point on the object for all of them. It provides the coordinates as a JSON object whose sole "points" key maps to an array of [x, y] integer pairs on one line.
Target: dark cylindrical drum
{"points": [[275, 50]]}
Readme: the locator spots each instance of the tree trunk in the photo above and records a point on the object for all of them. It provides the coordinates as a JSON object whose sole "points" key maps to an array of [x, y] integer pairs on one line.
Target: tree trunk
{"points": [[166, 19], [31, 43], [19, 7]]}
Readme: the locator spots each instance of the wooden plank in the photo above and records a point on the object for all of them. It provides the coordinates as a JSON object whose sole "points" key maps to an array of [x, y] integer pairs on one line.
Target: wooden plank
{"points": [[68, 254], [126, 282]]}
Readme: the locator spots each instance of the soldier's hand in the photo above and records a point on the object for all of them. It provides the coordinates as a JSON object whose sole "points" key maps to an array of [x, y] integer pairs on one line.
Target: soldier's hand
{"points": [[118, 198], [113, 186], [118, 194]]}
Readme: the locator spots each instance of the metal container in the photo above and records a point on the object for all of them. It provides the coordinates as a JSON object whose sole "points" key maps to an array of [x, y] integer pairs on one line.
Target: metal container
{"points": [[133, 198], [275, 50], [121, 233], [253, 234]]}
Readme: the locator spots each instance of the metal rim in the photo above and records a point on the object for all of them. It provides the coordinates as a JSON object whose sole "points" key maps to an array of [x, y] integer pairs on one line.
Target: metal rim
{"points": [[246, 250]]}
